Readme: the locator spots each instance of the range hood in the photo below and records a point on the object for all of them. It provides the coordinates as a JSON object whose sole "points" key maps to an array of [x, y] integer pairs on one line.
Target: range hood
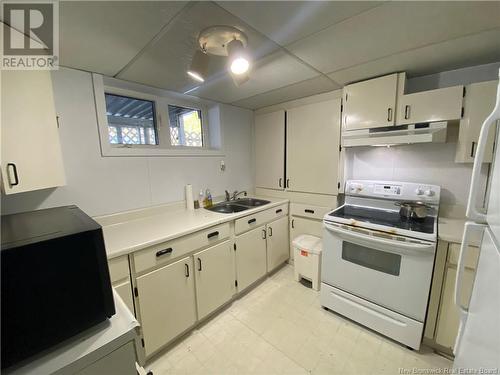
{"points": [[396, 135]]}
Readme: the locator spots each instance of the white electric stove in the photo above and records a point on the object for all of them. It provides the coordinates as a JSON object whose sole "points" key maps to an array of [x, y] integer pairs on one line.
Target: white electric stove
{"points": [[376, 265]]}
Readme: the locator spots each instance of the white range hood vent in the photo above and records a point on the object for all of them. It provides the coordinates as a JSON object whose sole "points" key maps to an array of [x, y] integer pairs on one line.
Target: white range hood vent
{"points": [[396, 135]]}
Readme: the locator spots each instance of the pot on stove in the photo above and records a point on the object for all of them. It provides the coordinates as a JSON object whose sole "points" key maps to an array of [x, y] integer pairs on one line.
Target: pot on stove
{"points": [[412, 210]]}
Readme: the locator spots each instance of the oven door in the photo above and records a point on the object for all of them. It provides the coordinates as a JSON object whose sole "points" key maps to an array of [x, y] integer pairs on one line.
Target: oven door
{"points": [[392, 273]]}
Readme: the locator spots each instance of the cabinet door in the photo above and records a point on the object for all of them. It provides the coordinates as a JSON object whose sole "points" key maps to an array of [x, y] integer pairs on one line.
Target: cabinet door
{"points": [[370, 104], [31, 151], [215, 276], [449, 318], [250, 257], [478, 104], [313, 138], [300, 225], [124, 290], [270, 150], [166, 303], [278, 246], [428, 106]]}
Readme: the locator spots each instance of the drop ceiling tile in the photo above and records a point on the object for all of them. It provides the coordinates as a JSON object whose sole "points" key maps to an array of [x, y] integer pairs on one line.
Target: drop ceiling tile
{"points": [[287, 21], [316, 85], [164, 63], [275, 70], [394, 27], [481, 48], [103, 36]]}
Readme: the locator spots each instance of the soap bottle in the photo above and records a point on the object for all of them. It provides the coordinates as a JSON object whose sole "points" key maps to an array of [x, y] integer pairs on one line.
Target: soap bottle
{"points": [[208, 199], [201, 199]]}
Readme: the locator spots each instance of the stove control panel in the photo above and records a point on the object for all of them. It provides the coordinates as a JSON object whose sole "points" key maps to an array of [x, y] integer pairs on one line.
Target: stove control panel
{"points": [[394, 190], [385, 189]]}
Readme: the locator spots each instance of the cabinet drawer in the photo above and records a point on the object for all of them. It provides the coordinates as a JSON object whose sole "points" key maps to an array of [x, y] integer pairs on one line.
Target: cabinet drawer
{"points": [[308, 210], [118, 268], [471, 255], [166, 251], [259, 218]]}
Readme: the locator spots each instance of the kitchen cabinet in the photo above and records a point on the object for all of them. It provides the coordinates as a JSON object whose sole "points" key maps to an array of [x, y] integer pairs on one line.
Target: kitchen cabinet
{"points": [[370, 104], [313, 136], [429, 106], [478, 103], [215, 277], [119, 272], [250, 256], [31, 152], [270, 150], [278, 247], [443, 317], [449, 315], [166, 303]]}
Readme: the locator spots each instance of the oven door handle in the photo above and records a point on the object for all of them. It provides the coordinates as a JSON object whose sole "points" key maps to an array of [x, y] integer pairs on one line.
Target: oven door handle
{"points": [[385, 244]]}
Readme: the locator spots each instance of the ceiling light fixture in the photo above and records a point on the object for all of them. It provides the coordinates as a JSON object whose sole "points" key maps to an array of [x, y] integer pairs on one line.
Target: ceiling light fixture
{"points": [[199, 66], [228, 41]]}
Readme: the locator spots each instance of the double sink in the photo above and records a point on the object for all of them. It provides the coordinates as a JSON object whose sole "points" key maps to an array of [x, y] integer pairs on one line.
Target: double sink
{"points": [[237, 205]]}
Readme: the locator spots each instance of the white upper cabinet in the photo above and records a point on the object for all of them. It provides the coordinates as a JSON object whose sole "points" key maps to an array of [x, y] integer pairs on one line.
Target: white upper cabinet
{"points": [[313, 136], [428, 106], [478, 104], [270, 150], [31, 151], [370, 104]]}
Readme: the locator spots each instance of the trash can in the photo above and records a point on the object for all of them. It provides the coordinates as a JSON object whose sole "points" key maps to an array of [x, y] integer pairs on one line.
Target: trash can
{"points": [[307, 259]]}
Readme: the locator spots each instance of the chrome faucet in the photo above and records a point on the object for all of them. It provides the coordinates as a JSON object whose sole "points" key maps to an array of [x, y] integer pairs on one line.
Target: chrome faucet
{"points": [[236, 193], [228, 196]]}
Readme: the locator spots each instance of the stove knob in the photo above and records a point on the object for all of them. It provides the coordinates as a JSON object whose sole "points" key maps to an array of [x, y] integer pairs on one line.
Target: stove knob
{"points": [[429, 193], [419, 191]]}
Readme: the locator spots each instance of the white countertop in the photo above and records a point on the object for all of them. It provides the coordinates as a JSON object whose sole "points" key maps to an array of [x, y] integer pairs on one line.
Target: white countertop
{"points": [[452, 230], [132, 235], [74, 354]]}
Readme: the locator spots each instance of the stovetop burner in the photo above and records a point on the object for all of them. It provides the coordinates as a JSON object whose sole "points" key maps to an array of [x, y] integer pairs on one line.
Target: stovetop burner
{"points": [[384, 217]]}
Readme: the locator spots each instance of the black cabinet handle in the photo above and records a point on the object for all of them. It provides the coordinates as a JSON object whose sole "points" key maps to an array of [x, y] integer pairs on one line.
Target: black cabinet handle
{"points": [[270, 231], [251, 221], [187, 270], [472, 149], [280, 181], [308, 211], [264, 234], [16, 177], [293, 223], [287, 182], [389, 114], [278, 211], [407, 112], [199, 264], [213, 234], [164, 252]]}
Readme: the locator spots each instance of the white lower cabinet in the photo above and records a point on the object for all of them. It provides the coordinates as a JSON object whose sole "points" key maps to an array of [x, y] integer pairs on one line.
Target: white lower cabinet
{"points": [[124, 290], [167, 305], [278, 247], [251, 257], [449, 318], [215, 277]]}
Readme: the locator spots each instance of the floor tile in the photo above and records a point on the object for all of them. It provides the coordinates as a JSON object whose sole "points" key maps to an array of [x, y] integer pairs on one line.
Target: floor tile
{"points": [[280, 328]]}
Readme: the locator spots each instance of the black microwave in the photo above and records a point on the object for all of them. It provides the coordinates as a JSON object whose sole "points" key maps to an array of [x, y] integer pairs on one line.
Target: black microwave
{"points": [[55, 280]]}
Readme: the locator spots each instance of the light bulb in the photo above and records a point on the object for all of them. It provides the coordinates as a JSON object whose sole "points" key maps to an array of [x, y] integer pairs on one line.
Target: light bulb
{"points": [[240, 65]]}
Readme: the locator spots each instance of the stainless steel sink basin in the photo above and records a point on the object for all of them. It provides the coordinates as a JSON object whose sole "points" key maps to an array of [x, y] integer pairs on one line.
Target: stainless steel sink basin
{"points": [[228, 208], [251, 202]]}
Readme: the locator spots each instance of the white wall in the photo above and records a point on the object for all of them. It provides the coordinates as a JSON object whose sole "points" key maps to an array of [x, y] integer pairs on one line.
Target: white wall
{"points": [[101, 185]]}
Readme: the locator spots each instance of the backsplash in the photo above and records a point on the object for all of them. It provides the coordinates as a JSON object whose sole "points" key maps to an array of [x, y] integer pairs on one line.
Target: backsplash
{"points": [[431, 163]]}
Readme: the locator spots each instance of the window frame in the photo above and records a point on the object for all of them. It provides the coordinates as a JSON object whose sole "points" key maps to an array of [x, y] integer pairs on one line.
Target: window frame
{"points": [[161, 100]]}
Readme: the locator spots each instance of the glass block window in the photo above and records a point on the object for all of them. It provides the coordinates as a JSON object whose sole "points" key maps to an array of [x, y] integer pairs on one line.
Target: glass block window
{"points": [[186, 128], [131, 121]]}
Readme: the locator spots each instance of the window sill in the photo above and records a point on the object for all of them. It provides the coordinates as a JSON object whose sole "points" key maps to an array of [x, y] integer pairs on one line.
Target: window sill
{"points": [[157, 151]]}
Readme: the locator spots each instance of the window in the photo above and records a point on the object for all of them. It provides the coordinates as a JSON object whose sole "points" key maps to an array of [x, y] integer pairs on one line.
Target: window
{"points": [[185, 126], [130, 121]]}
